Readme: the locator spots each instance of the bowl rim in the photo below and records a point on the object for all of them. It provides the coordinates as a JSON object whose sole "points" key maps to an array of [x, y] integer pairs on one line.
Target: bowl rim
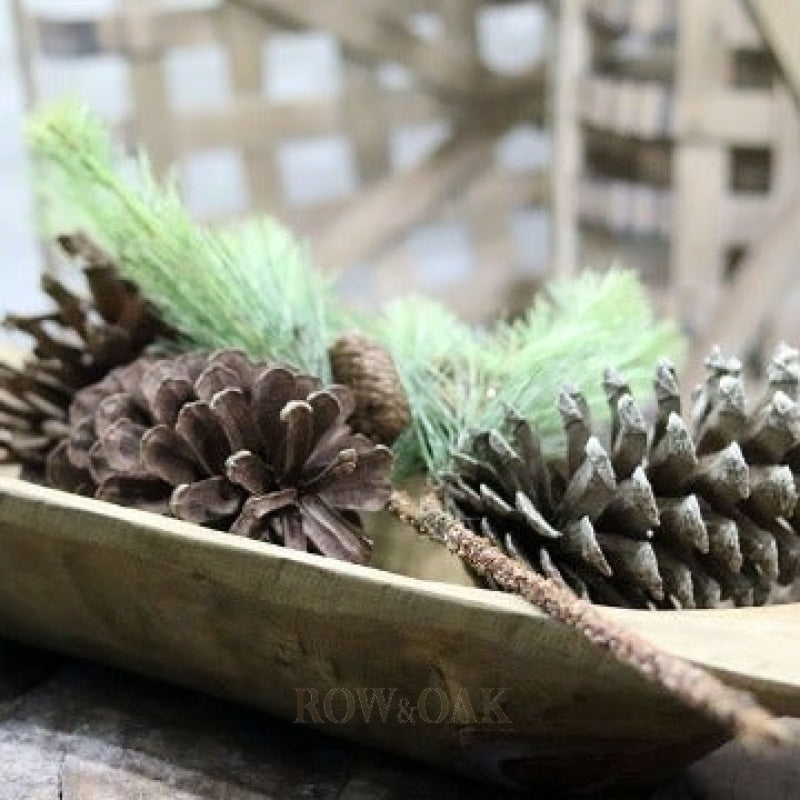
{"points": [[739, 644]]}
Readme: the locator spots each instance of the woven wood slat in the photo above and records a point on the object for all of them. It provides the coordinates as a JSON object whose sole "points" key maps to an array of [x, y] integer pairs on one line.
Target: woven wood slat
{"points": [[244, 36], [378, 31], [395, 71], [699, 155], [387, 209], [760, 305], [644, 17], [156, 31], [488, 289], [721, 162], [147, 87]]}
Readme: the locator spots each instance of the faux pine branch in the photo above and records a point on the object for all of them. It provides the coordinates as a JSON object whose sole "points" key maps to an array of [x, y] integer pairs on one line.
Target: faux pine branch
{"points": [[250, 285], [570, 335], [460, 378]]}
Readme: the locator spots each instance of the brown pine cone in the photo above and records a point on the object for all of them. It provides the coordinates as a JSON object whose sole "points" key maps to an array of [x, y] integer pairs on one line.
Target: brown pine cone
{"points": [[74, 346], [217, 440], [367, 368], [661, 516]]}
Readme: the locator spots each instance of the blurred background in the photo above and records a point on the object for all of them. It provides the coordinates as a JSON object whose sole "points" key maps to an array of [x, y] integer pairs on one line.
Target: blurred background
{"points": [[461, 148]]}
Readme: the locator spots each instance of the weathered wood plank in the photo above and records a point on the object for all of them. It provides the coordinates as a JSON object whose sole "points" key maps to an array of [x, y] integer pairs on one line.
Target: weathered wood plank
{"points": [[247, 121], [158, 30], [91, 733]]}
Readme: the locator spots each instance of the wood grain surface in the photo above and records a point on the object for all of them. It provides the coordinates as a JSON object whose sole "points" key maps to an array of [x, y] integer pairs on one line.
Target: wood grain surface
{"points": [[259, 624]]}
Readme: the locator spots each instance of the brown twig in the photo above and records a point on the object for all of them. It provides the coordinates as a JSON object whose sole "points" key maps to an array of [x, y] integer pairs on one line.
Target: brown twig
{"points": [[736, 711]]}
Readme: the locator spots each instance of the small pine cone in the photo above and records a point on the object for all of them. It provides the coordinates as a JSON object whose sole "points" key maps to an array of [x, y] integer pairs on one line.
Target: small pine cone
{"points": [[661, 516], [367, 368], [219, 441], [74, 346]]}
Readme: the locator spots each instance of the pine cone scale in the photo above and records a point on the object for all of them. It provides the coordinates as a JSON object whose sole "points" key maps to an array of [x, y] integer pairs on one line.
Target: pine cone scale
{"points": [[256, 511], [71, 309], [216, 378], [272, 390], [327, 412], [233, 411], [119, 446], [773, 430], [63, 473], [633, 509], [202, 431], [788, 553], [363, 486], [114, 296], [207, 501], [341, 465], [166, 455], [21, 447], [681, 521], [580, 540], [531, 516], [44, 406], [111, 410], [290, 530], [135, 490], [297, 420], [81, 440], [591, 487], [69, 349], [11, 421], [332, 533]]}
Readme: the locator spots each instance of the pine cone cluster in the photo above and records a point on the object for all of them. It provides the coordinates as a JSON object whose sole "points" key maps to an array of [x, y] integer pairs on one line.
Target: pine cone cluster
{"points": [[74, 346], [665, 515], [217, 440]]}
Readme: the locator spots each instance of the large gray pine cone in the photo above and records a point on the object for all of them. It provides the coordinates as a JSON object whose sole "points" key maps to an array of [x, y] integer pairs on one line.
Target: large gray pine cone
{"points": [[217, 440], [660, 516]]}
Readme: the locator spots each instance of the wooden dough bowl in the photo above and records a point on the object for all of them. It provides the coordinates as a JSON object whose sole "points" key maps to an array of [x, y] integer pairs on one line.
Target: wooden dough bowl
{"points": [[269, 627]]}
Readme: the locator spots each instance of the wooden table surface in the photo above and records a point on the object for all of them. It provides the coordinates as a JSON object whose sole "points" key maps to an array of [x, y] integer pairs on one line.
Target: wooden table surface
{"points": [[76, 731]]}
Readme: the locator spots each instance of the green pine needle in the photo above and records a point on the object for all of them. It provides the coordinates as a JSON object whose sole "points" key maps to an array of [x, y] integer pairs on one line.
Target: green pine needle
{"points": [[461, 379], [585, 325], [436, 357], [250, 285]]}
